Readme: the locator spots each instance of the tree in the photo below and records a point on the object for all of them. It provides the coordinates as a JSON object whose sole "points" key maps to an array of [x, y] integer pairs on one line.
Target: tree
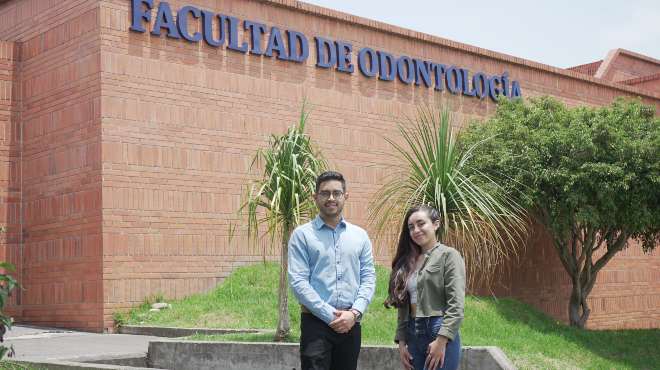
{"points": [[282, 198], [479, 218], [591, 176], [7, 284]]}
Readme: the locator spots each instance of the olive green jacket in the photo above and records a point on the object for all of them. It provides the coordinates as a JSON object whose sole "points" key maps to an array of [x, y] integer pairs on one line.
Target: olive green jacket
{"points": [[440, 292]]}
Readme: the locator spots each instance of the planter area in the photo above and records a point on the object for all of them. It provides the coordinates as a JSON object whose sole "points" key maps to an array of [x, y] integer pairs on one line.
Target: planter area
{"points": [[177, 354]]}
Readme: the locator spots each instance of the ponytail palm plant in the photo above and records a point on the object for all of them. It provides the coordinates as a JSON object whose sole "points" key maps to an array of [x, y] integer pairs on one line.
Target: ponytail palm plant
{"points": [[282, 198], [479, 218]]}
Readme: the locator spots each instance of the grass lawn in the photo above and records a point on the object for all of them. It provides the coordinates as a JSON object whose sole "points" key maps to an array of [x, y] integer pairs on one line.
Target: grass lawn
{"points": [[532, 340], [11, 365]]}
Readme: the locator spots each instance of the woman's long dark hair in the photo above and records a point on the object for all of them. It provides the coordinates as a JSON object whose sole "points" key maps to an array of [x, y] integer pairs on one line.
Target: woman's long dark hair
{"points": [[403, 264]]}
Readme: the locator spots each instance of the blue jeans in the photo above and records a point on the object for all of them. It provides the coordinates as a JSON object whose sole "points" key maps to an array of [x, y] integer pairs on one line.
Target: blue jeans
{"points": [[421, 332]]}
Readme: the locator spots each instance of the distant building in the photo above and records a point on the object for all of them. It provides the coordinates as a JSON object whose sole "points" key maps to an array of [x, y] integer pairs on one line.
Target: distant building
{"points": [[627, 68]]}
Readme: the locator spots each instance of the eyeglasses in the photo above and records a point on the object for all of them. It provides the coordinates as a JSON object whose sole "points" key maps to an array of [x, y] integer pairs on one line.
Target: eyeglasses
{"points": [[337, 194]]}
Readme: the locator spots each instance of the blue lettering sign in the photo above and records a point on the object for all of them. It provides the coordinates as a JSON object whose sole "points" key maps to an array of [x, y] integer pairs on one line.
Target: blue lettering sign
{"points": [[140, 14], [165, 19], [515, 89], [368, 68], [387, 66], [207, 18], [466, 83], [344, 51], [405, 63], [276, 43], [326, 53], [219, 30], [233, 36], [453, 78], [479, 85], [423, 72], [256, 30], [493, 87], [297, 39], [438, 73], [182, 22]]}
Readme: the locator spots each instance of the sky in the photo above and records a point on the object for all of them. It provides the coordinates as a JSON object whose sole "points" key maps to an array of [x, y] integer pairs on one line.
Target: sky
{"points": [[560, 33]]}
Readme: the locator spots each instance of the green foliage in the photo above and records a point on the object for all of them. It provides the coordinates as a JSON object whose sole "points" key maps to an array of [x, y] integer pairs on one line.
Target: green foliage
{"points": [[282, 198], [137, 315], [479, 218], [596, 167], [13, 365], [248, 299], [120, 318], [289, 167], [7, 284], [532, 340], [154, 298], [590, 175]]}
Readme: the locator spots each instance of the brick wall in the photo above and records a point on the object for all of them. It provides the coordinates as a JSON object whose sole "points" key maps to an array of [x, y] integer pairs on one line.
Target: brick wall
{"points": [[10, 196], [60, 160], [177, 142], [626, 293], [648, 83], [588, 69], [136, 148], [181, 121]]}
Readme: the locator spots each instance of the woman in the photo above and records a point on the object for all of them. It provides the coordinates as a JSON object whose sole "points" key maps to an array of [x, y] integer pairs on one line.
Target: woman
{"points": [[427, 286]]}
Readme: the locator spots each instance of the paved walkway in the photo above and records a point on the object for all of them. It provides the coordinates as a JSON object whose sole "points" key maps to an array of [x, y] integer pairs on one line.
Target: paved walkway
{"points": [[33, 343]]}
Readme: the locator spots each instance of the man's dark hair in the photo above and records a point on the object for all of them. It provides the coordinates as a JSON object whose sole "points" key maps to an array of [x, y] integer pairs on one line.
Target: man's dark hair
{"points": [[329, 176]]}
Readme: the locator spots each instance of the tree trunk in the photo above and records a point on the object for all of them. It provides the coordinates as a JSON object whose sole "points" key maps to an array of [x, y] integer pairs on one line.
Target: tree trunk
{"points": [[283, 323], [578, 309], [576, 255]]}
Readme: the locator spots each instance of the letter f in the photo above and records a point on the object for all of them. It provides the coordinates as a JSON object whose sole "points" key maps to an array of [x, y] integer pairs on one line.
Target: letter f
{"points": [[139, 14]]}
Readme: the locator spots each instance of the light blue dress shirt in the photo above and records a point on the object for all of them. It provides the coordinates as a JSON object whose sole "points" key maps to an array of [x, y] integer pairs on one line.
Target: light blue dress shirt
{"points": [[331, 269]]}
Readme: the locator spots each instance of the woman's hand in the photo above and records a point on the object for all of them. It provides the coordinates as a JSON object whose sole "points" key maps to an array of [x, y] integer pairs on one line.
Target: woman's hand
{"points": [[436, 353], [404, 355]]}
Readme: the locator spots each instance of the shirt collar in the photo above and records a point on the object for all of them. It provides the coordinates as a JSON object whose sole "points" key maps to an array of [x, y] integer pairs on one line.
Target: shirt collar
{"points": [[318, 222], [438, 244]]}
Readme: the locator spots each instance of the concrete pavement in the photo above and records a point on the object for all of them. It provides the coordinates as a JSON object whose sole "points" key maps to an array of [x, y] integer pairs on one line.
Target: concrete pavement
{"points": [[66, 349], [38, 344]]}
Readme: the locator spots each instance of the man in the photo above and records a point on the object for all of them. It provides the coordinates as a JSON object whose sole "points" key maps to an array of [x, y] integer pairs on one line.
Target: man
{"points": [[331, 272]]}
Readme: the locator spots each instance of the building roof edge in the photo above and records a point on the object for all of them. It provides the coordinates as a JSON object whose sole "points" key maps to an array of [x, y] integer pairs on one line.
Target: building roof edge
{"points": [[405, 32], [636, 80]]}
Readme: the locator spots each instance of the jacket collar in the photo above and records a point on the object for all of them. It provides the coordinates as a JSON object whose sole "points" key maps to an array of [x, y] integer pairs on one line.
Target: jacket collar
{"points": [[436, 246]]}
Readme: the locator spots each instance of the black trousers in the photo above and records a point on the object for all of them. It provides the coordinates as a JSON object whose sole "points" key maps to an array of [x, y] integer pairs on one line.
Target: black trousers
{"points": [[321, 348]]}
